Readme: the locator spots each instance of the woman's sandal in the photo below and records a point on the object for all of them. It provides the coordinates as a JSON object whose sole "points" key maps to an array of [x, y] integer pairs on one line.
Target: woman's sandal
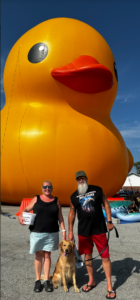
{"points": [[91, 287], [111, 292]]}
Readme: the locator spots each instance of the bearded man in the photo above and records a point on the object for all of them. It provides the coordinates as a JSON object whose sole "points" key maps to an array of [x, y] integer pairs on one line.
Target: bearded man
{"points": [[87, 201]]}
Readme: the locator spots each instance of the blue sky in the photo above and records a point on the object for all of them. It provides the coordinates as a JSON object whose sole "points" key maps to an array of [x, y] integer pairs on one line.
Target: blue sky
{"points": [[118, 21]]}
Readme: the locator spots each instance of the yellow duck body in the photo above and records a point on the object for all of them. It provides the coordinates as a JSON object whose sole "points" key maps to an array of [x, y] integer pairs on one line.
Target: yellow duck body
{"points": [[49, 130]]}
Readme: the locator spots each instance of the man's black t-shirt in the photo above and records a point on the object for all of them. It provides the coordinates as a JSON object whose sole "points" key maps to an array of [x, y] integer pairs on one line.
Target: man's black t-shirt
{"points": [[89, 211]]}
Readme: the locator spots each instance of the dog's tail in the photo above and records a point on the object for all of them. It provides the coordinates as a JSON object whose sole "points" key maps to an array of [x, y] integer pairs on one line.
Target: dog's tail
{"points": [[43, 277]]}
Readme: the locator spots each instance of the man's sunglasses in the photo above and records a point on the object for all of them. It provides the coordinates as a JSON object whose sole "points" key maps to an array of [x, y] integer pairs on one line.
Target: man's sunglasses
{"points": [[81, 178], [47, 186]]}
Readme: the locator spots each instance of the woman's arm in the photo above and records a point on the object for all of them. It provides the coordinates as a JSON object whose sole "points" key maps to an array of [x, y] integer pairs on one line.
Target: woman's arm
{"points": [[61, 221], [27, 209]]}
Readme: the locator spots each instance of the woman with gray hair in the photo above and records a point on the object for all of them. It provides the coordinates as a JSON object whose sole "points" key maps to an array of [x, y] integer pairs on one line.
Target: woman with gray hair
{"points": [[44, 234]]}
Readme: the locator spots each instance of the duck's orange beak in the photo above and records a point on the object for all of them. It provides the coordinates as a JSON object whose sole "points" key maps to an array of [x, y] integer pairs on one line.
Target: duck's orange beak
{"points": [[84, 75]]}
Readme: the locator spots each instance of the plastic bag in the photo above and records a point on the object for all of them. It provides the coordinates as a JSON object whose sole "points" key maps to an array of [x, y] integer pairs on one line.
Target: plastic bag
{"points": [[78, 258]]}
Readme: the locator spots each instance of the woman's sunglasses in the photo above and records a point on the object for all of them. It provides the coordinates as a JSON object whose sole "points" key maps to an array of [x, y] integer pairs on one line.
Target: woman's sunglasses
{"points": [[47, 186]]}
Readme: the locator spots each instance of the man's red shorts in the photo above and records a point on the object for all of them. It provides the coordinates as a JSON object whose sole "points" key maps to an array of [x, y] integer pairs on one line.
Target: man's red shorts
{"points": [[86, 244]]}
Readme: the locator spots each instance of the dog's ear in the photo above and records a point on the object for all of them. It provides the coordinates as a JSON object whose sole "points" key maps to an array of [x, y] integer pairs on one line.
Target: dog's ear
{"points": [[72, 244], [60, 244]]}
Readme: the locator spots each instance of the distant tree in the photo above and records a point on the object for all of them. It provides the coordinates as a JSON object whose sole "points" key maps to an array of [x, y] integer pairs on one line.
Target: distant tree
{"points": [[137, 166]]}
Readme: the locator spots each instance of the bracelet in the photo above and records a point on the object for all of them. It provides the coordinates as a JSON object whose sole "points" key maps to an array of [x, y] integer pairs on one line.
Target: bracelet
{"points": [[63, 230]]}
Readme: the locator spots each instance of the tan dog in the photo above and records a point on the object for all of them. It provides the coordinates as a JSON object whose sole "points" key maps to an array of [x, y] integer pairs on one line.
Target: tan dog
{"points": [[65, 270]]}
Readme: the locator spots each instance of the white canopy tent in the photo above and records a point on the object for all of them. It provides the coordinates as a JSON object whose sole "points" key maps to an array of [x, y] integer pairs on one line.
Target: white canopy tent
{"points": [[132, 181]]}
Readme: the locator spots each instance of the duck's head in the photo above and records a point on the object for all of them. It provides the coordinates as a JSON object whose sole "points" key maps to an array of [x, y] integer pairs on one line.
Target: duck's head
{"points": [[66, 59]]}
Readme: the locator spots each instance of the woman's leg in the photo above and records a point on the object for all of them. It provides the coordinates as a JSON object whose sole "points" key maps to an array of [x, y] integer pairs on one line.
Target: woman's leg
{"points": [[38, 264], [47, 264]]}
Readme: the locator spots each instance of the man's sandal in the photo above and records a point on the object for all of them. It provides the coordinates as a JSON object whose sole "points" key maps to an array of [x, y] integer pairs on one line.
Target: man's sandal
{"points": [[111, 292], [91, 287]]}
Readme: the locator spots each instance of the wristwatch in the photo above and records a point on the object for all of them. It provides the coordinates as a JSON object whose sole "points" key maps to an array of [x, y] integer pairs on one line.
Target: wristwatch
{"points": [[110, 222]]}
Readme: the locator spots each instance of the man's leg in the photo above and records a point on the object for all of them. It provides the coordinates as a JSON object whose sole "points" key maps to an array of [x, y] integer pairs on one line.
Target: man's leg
{"points": [[100, 241], [107, 269], [86, 245], [89, 267]]}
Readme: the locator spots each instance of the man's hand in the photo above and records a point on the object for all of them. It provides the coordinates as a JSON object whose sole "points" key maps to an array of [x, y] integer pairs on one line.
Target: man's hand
{"points": [[71, 236], [110, 226]]}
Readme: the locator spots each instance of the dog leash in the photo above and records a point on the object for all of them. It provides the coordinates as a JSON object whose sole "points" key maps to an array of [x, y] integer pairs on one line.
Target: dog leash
{"points": [[117, 236]]}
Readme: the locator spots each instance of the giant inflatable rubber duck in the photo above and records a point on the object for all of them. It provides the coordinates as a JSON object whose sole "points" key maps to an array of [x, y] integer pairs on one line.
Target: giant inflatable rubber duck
{"points": [[60, 83]]}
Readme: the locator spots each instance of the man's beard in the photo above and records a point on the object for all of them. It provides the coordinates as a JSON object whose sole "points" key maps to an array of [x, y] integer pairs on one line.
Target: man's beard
{"points": [[82, 188]]}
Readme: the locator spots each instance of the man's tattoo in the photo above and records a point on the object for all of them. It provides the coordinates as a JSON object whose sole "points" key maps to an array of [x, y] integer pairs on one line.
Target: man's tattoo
{"points": [[71, 207], [89, 263]]}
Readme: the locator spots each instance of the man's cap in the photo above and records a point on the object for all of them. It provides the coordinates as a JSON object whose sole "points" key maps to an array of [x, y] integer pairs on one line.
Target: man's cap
{"points": [[80, 173]]}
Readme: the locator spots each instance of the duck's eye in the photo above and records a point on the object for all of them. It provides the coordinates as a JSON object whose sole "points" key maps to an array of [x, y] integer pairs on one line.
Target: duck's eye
{"points": [[115, 70], [37, 53]]}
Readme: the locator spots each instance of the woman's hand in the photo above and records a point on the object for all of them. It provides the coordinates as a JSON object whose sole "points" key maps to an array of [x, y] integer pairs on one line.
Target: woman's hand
{"points": [[28, 208], [64, 237], [21, 220]]}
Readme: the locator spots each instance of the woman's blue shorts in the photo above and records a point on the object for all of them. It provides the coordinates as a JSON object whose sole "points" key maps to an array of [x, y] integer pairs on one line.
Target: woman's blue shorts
{"points": [[43, 241]]}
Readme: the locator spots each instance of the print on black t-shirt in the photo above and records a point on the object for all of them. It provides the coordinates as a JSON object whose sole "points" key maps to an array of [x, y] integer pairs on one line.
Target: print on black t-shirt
{"points": [[87, 201], [89, 211]]}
